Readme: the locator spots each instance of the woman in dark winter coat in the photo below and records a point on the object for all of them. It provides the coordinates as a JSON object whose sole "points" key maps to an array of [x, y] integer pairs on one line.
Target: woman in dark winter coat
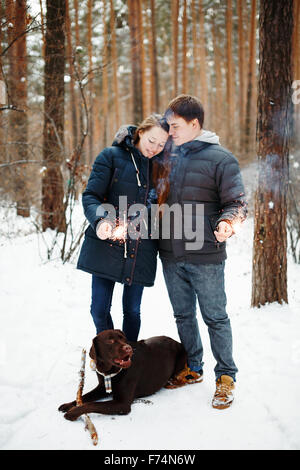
{"points": [[121, 176]]}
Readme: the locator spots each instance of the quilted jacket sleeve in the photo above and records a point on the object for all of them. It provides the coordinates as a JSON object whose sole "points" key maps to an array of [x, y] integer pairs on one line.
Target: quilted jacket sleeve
{"points": [[231, 190], [97, 187]]}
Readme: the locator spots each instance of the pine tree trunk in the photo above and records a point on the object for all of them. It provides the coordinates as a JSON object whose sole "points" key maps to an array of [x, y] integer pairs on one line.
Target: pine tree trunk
{"points": [[229, 78], [202, 61], [53, 150], [136, 72], [241, 55], [269, 282], [142, 59], [43, 29], [78, 70], [3, 99], [153, 63], [175, 30], [20, 119], [195, 48], [250, 104], [17, 93], [114, 57], [91, 79], [73, 101], [218, 118], [184, 48], [104, 117], [296, 71]]}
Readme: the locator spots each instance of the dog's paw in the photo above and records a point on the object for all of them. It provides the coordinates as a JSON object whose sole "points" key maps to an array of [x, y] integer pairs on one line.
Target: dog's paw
{"points": [[66, 407], [73, 413]]}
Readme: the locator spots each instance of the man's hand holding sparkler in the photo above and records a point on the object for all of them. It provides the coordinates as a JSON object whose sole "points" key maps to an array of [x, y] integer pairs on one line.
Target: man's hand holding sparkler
{"points": [[224, 231]]}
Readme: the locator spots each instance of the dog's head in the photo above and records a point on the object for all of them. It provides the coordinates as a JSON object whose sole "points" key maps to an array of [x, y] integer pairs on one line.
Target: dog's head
{"points": [[110, 349]]}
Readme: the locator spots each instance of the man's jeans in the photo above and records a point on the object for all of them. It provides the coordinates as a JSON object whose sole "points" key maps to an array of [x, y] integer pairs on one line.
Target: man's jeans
{"points": [[102, 291], [185, 282]]}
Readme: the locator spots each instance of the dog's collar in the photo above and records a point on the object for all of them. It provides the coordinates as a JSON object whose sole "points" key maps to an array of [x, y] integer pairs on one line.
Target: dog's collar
{"points": [[107, 377]]}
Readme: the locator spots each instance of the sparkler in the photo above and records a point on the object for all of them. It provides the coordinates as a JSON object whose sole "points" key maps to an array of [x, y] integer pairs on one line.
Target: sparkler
{"points": [[120, 233]]}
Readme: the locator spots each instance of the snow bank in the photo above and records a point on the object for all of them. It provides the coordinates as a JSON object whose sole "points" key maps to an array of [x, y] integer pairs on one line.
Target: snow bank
{"points": [[45, 322]]}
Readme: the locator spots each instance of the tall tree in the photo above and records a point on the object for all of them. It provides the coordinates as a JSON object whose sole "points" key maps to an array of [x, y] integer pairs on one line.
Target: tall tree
{"points": [[218, 118], [241, 55], [2, 87], [202, 59], [91, 77], [20, 130], [114, 56], [53, 214], [229, 76], [142, 58], [184, 49], [154, 99], [136, 61], [251, 95], [195, 85], [296, 69], [42, 28], [104, 97], [175, 32], [70, 58], [269, 282]]}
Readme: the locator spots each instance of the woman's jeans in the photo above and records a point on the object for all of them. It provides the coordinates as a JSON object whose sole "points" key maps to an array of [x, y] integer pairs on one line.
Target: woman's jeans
{"points": [[102, 292], [185, 283]]}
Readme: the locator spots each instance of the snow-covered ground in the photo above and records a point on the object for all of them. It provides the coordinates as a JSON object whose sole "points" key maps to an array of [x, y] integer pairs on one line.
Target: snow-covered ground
{"points": [[45, 323]]}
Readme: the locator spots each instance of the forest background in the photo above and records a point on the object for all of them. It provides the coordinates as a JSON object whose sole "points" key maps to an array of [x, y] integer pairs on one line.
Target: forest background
{"points": [[71, 74]]}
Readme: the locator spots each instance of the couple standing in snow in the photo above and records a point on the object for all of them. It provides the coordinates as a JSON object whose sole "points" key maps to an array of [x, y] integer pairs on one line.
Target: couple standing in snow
{"points": [[173, 161]]}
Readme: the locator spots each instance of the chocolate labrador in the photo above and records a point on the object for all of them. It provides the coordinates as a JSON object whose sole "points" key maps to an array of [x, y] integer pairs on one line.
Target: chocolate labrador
{"points": [[128, 370]]}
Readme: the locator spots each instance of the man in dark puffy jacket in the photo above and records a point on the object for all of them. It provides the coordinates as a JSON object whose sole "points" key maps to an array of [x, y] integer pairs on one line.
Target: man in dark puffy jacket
{"points": [[202, 174]]}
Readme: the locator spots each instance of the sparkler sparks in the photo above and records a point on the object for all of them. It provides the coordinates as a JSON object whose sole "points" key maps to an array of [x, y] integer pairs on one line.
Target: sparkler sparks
{"points": [[119, 233]]}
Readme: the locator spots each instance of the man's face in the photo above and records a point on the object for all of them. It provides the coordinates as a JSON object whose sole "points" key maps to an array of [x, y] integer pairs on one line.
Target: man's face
{"points": [[181, 130]]}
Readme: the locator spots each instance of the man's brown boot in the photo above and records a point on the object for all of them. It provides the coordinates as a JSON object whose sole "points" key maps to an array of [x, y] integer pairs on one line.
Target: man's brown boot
{"points": [[185, 377], [223, 396]]}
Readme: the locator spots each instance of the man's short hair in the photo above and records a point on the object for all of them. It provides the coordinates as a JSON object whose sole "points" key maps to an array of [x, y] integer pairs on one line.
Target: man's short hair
{"points": [[186, 106]]}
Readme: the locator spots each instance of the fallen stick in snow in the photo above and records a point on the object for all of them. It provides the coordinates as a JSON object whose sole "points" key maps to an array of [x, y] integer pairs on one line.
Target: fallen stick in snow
{"points": [[87, 420]]}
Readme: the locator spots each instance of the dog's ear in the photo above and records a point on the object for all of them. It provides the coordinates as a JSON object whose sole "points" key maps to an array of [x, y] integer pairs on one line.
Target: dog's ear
{"points": [[122, 333], [92, 352], [95, 350]]}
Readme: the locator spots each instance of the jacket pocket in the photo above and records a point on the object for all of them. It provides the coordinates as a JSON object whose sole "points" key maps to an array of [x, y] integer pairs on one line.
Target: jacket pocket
{"points": [[209, 228]]}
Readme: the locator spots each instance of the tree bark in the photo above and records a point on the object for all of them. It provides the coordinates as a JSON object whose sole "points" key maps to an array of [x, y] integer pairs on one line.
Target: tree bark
{"points": [[104, 97], [269, 282], [296, 71], [135, 51], [20, 119], [218, 118], [202, 60], [251, 95], [230, 77], [241, 55], [175, 30], [154, 101], [114, 57], [73, 101], [91, 78], [43, 29], [184, 49], [53, 214], [142, 58]]}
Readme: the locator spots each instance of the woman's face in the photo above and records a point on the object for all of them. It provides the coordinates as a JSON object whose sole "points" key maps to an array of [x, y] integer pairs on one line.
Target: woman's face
{"points": [[152, 141]]}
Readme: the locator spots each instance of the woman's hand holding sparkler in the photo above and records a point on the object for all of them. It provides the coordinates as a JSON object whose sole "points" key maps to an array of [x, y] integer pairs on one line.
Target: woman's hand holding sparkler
{"points": [[104, 230]]}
